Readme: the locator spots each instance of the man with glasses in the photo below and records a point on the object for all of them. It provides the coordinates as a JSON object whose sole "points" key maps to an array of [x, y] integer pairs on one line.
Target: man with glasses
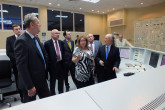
{"points": [[55, 51], [10, 51]]}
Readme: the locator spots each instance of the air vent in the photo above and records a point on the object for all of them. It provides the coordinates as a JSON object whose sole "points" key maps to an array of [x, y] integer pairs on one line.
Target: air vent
{"points": [[117, 22], [155, 103]]}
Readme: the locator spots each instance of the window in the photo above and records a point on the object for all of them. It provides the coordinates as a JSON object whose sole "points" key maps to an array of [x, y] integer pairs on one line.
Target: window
{"points": [[67, 21], [0, 19], [11, 15], [53, 18], [27, 10], [79, 22]]}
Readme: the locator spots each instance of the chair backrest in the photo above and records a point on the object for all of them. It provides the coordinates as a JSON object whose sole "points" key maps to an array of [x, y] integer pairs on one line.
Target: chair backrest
{"points": [[5, 69]]}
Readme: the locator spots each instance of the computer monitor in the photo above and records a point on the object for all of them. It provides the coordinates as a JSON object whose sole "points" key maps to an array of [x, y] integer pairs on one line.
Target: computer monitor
{"points": [[124, 53], [163, 60], [154, 59]]}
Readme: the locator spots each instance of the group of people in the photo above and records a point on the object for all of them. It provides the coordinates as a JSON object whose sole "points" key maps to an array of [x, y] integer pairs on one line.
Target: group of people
{"points": [[31, 60]]}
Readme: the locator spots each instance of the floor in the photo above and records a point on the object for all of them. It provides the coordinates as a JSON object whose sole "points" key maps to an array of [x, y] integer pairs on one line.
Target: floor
{"points": [[18, 102]]}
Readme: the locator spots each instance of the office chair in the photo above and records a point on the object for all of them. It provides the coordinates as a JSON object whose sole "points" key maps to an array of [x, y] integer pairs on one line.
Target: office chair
{"points": [[5, 79]]}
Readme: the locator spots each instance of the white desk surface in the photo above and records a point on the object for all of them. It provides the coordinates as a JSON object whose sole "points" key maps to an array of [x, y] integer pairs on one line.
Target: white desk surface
{"points": [[124, 69], [73, 100], [129, 93]]}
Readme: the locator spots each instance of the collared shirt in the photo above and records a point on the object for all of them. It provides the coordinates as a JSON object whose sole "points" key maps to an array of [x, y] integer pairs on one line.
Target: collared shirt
{"points": [[109, 47], [16, 36], [58, 47], [30, 34], [93, 45], [69, 42], [121, 42]]}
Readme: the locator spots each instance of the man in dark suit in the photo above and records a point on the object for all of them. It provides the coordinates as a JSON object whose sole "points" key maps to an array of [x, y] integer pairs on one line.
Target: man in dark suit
{"points": [[55, 51], [68, 64], [31, 61], [108, 58], [10, 51], [94, 46]]}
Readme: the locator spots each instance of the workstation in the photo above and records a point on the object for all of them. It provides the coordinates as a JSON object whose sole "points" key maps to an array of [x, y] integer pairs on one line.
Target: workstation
{"points": [[138, 32]]}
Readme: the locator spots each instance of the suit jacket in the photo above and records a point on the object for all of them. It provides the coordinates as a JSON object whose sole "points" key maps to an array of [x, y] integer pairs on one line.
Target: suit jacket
{"points": [[30, 64], [124, 43], [52, 56], [10, 49], [68, 53], [113, 60], [97, 44]]}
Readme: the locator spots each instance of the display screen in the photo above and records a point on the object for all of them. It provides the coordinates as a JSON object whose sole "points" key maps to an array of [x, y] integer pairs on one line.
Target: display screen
{"points": [[124, 53], [154, 59], [163, 60]]}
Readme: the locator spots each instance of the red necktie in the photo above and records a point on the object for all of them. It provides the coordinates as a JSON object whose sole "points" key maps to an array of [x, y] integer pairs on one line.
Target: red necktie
{"points": [[57, 51]]}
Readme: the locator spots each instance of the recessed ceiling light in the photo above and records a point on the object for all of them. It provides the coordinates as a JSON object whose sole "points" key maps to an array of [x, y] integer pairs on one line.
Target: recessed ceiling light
{"points": [[141, 3], [92, 1], [92, 10], [113, 9], [98, 11], [50, 3], [58, 4], [102, 12], [80, 8]]}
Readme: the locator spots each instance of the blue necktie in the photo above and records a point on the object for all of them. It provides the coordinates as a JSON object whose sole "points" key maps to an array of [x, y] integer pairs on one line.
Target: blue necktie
{"points": [[107, 51], [38, 47]]}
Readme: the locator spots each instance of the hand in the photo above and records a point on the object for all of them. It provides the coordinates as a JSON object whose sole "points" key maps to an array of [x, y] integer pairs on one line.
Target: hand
{"points": [[115, 69], [79, 56], [101, 63], [32, 92]]}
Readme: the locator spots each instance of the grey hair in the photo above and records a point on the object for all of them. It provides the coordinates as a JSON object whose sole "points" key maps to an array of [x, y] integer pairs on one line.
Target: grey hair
{"points": [[29, 18], [109, 36]]}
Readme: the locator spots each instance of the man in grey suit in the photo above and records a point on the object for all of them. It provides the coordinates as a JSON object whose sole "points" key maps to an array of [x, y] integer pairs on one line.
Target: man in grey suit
{"points": [[31, 61], [94, 45]]}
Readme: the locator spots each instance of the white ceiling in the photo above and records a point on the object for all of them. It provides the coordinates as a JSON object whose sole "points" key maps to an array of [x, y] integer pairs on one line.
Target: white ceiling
{"points": [[103, 6]]}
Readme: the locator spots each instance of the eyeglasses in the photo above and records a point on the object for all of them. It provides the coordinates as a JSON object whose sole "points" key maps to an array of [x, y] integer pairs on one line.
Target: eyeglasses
{"points": [[17, 29], [56, 33], [82, 40]]}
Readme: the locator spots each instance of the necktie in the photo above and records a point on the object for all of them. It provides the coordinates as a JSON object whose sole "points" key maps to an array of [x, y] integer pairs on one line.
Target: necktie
{"points": [[107, 51], [69, 44], [91, 47], [57, 51], [39, 49]]}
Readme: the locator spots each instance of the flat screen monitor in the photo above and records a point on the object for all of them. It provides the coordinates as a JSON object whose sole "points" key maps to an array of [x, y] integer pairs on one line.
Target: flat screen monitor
{"points": [[154, 59], [163, 60], [124, 53]]}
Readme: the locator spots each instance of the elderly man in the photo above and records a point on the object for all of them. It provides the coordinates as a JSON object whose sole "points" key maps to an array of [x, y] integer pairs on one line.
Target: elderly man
{"points": [[93, 44], [31, 61], [108, 58], [55, 51], [122, 42]]}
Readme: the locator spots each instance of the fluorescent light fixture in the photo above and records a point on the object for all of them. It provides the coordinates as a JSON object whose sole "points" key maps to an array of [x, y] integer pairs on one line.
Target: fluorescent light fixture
{"points": [[92, 1], [50, 3], [61, 16], [35, 14], [4, 11]]}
